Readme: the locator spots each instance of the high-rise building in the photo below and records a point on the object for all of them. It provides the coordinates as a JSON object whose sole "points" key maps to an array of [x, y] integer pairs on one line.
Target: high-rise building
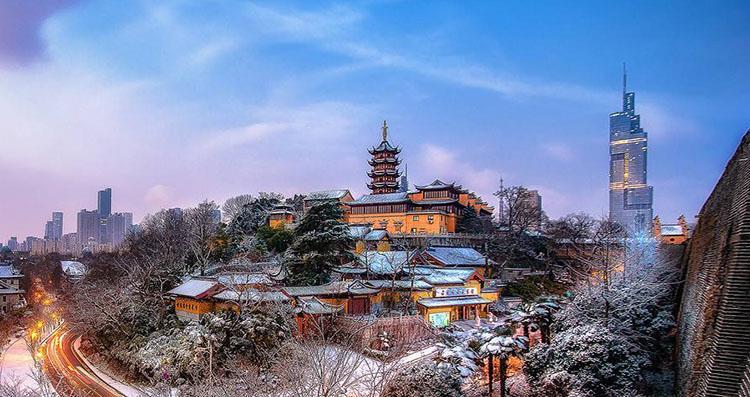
{"points": [[57, 225], [13, 243], [104, 203], [630, 197], [534, 205], [48, 230], [118, 225], [88, 226]]}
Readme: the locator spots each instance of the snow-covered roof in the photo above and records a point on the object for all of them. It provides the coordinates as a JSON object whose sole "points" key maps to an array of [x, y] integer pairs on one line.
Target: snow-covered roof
{"points": [[376, 235], [453, 301], [194, 287], [381, 198], [7, 271], [671, 230], [456, 256], [354, 287], [73, 268], [442, 275], [358, 231], [399, 284], [334, 194], [313, 305], [384, 262], [230, 279], [251, 295]]}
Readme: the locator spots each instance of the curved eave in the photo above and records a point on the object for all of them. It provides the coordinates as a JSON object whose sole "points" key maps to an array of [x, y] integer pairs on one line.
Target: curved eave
{"points": [[383, 173], [390, 160]]}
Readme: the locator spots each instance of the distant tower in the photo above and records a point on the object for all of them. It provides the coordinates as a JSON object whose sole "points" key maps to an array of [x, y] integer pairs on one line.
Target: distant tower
{"points": [[384, 162], [501, 204], [630, 197], [404, 183], [104, 203], [57, 225]]}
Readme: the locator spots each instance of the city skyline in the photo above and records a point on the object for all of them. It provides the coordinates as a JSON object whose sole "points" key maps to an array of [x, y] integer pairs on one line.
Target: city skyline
{"points": [[234, 106]]}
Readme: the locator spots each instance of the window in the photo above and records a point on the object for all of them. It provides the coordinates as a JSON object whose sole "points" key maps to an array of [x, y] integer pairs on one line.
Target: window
{"points": [[415, 218], [430, 219], [414, 230]]}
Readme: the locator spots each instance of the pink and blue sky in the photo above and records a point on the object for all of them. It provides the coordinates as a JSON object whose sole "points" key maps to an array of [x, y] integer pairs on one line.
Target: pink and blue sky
{"points": [[173, 102]]}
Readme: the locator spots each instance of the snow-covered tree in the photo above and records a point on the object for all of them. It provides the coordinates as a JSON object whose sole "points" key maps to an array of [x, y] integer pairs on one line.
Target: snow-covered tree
{"points": [[321, 241], [425, 380], [202, 228], [589, 360], [234, 206]]}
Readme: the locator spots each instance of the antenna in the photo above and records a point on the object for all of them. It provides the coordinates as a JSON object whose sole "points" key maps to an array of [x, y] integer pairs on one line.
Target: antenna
{"points": [[624, 79]]}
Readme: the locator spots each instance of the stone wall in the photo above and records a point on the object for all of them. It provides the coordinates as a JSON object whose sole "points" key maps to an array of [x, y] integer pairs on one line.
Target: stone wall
{"points": [[714, 317]]}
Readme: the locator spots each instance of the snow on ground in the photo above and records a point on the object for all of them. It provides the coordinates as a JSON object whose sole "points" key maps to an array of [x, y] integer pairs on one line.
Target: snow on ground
{"points": [[17, 364], [123, 388]]}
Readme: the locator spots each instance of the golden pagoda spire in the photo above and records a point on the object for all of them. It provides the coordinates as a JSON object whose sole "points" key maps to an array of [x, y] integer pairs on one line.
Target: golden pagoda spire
{"points": [[385, 130]]}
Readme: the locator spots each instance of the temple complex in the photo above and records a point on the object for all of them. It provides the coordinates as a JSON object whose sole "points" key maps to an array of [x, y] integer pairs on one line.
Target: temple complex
{"points": [[429, 209]]}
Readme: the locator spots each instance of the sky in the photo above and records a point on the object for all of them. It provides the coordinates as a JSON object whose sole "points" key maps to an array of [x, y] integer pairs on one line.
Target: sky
{"points": [[170, 103]]}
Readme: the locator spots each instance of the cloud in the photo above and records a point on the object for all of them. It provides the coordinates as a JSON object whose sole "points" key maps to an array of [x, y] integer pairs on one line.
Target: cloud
{"points": [[20, 23], [447, 165], [558, 151], [159, 196]]}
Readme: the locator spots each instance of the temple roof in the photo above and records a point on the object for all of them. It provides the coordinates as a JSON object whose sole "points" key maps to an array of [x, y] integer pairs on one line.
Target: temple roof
{"points": [[384, 146], [437, 184], [327, 195], [397, 197]]}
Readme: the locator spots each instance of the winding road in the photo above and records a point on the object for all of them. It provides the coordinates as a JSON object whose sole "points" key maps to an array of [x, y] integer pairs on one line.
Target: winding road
{"points": [[64, 364]]}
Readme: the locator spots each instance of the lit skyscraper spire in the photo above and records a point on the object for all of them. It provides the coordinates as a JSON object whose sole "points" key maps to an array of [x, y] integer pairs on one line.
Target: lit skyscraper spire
{"points": [[630, 197]]}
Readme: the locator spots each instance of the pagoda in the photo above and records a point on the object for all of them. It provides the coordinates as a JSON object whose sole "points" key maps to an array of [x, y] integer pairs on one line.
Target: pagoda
{"points": [[384, 162]]}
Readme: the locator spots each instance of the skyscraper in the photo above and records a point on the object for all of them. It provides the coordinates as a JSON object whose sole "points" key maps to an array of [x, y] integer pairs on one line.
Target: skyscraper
{"points": [[57, 225], [88, 226], [104, 203], [48, 230], [118, 225], [630, 197]]}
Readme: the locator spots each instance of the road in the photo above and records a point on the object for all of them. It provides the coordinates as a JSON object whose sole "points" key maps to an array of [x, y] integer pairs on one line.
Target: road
{"points": [[64, 364]]}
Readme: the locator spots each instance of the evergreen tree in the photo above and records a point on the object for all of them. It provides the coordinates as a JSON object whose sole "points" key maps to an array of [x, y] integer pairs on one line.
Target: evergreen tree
{"points": [[321, 241], [250, 218], [470, 222]]}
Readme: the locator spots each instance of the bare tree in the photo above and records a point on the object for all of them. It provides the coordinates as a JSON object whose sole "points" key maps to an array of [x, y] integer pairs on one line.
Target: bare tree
{"points": [[201, 232], [233, 206]]}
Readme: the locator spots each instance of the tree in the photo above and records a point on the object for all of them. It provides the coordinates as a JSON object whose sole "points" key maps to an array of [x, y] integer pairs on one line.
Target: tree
{"points": [[275, 239], [202, 228], [502, 345], [470, 222], [321, 241], [585, 361], [251, 217], [422, 380], [234, 205], [520, 213]]}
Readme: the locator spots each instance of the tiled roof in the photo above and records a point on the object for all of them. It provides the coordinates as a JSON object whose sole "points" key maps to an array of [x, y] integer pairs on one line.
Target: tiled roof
{"points": [[381, 198], [326, 195], [385, 146], [453, 301], [456, 256], [437, 184], [251, 295], [384, 262], [6, 289], [230, 279], [399, 284], [354, 287], [442, 275], [194, 287], [376, 235], [313, 305], [7, 271], [358, 231], [435, 202]]}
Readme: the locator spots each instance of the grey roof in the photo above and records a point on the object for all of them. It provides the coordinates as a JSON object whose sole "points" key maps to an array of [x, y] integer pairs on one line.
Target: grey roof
{"points": [[313, 305], [6, 289], [251, 295], [381, 198], [399, 284], [435, 201], [457, 256], [671, 230], [385, 146], [358, 231], [443, 275], [230, 279], [438, 184], [453, 301], [193, 287], [326, 195], [376, 235], [7, 271], [354, 287], [384, 262]]}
